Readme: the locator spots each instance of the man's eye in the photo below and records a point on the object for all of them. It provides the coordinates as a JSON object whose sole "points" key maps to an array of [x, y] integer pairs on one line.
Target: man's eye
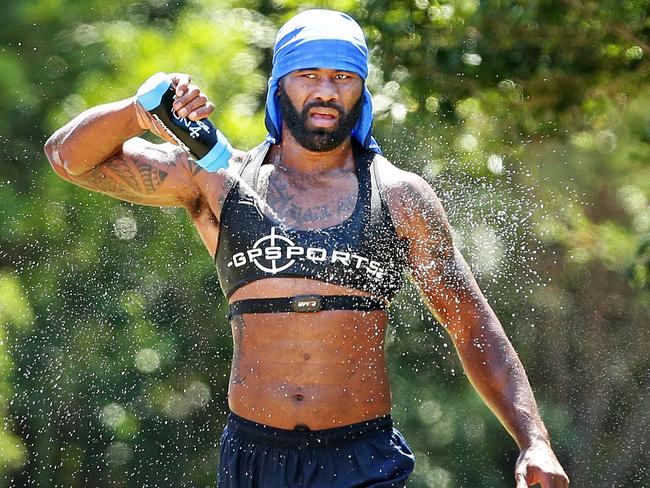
{"points": [[343, 76]]}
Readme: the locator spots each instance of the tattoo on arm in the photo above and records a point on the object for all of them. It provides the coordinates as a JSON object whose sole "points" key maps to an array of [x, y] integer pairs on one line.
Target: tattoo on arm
{"points": [[446, 282], [148, 178], [194, 168], [97, 180], [151, 177], [121, 168], [138, 177]]}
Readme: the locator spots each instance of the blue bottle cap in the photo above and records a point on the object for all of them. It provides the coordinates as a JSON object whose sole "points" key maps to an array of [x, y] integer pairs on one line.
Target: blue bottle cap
{"points": [[152, 90]]}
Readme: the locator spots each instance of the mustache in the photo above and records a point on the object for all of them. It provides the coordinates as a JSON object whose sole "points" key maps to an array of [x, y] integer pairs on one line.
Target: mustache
{"points": [[333, 105]]}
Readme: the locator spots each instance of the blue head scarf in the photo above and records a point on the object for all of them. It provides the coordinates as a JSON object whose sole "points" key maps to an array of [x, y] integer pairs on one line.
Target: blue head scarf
{"points": [[320, 39]]}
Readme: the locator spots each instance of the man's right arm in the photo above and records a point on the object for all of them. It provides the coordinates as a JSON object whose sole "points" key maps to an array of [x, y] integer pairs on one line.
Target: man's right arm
{"points": [[99, 150]]}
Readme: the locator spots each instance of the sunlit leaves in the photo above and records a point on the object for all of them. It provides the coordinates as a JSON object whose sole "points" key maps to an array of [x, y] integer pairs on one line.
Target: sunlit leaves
{"points": [[15, 310], [530, 119]]}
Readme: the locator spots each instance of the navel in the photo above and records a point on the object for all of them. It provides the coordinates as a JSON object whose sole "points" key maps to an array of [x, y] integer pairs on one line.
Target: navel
{"points": [[299, 397]]}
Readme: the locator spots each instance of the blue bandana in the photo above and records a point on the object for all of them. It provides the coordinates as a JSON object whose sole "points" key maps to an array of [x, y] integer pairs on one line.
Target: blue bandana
{"points": [[320, 39]]}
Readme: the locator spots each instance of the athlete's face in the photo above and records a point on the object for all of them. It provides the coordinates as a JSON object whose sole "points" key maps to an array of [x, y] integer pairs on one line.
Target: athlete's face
{"points": [[321, 107]]}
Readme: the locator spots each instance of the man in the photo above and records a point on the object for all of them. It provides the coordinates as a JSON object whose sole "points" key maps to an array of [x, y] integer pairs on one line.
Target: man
{"points": [[311, 232]]}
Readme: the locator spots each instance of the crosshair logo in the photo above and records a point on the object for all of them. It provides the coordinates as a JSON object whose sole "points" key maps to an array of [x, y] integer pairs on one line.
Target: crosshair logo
{"points": [[270, 255]]}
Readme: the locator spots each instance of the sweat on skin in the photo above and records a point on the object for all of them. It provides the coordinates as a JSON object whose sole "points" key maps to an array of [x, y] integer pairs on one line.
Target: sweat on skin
{"points": [[277, 376]]}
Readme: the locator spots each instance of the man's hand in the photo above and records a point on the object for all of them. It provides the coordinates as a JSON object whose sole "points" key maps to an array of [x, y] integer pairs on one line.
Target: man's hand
{"points": [[537, 464], [190, 102]]}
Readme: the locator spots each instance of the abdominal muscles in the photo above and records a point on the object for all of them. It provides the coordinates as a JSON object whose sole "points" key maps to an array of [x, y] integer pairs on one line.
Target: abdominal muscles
{"points": [[309, 370]]}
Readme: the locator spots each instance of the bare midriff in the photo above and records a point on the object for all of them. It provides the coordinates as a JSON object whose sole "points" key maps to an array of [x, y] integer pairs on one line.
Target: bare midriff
{"points": [[314, 370]]}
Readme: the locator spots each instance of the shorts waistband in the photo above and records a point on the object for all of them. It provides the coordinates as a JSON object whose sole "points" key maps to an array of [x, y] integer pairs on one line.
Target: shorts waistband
{"points": [[312, 438]]}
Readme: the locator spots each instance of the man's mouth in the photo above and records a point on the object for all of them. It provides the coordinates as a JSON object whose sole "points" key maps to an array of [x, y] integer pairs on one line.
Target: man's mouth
{"points": [[323, 117], [324, 113]]}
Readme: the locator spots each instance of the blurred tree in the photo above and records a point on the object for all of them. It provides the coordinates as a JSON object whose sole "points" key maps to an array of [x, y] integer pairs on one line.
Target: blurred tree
{"points": [[529, 118]]}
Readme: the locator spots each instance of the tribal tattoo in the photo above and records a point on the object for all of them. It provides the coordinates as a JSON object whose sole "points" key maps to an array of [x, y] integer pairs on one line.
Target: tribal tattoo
{"points": [[98, 180], [151, 177], [124, 178], [121, 168], [194, 168]]}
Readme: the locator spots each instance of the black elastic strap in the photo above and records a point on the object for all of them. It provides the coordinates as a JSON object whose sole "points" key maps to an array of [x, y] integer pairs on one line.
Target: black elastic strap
{"points": [[307, 303]]}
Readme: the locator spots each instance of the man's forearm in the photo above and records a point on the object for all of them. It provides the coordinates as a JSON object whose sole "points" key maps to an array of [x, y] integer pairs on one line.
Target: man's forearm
{"points": [[93, 136], [493, 367]]}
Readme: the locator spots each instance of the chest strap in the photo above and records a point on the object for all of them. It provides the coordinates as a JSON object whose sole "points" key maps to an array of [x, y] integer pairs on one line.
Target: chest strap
{"points": [[307, 303]]}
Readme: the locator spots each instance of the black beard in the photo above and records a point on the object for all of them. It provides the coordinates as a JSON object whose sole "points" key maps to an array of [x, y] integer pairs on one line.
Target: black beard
{"points": [[318, 140]]}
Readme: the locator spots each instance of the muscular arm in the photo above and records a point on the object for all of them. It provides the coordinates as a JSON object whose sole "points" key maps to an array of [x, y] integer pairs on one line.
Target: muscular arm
{"points": [[452, 294], [99, 150]]}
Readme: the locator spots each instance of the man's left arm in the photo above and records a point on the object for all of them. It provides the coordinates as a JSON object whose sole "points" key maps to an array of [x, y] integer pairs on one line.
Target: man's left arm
{"points": [[489, 360]]}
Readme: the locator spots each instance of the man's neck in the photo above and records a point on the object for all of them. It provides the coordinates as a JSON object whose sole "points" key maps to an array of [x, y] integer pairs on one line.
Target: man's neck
{"points": [[293, 156]]}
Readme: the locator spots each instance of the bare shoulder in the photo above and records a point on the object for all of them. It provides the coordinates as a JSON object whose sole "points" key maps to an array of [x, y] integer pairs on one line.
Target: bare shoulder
{"points": [[412, 202], [214, 185]]}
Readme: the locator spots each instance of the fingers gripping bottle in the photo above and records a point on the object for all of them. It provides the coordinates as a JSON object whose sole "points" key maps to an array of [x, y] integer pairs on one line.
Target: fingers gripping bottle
{"points": [[207, 145]]}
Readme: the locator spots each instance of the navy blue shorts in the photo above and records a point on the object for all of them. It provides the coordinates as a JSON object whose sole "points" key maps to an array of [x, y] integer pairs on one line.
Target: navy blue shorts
{"points": [[368, 454]]}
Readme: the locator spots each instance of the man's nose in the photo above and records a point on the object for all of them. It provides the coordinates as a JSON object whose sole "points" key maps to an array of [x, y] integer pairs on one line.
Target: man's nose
{"points": [[326, 90]]}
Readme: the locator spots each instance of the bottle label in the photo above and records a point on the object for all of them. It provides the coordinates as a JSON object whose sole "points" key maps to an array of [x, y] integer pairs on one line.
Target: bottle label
{"points": [[207, 145]]}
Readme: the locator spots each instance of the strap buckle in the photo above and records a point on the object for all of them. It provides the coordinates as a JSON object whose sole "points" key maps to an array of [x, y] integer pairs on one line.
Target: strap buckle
{"points": [[307, 303]]}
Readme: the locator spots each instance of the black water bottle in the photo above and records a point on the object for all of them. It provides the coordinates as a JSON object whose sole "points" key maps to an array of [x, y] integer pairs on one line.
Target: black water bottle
{"points": [[207, 145]]}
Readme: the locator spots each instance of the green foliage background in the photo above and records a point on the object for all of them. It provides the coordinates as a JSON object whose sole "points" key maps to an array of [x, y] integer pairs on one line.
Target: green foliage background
{"points": [[531, 120]]}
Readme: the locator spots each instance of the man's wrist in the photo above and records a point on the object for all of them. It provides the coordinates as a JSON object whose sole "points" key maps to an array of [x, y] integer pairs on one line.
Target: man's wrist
{"points": [[141, 115], [536, 439], [146, 122]]}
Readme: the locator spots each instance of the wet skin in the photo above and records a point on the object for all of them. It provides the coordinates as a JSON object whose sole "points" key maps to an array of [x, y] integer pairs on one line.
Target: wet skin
{"points": [[322, 369], [314, 370]]}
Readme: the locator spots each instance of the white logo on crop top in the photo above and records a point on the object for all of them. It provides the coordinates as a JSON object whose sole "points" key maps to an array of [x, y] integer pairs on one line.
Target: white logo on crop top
{"points": [[276, 253]]}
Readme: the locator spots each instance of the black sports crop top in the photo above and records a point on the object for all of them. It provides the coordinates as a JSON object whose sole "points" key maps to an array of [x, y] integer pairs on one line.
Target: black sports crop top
{"points": [[363, 252]]}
